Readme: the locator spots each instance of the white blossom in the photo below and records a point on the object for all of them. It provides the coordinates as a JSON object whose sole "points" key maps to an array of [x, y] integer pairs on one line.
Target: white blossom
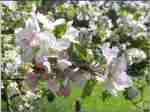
{"points": [[135, 55], [115, 77]]}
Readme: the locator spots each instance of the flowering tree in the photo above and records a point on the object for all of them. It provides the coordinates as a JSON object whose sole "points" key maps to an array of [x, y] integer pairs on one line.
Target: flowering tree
{"points": [[48, 46]]}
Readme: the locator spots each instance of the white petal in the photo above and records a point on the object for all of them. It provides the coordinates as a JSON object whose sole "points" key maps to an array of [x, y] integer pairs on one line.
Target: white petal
{"points": [[122, 81], [71, 33], [44, 20], [53, 86], [18, 60], [59, 21], [32, 24], [49, 37], [25, 37], [62, 44], [63, 64], [47, 66], [122, 65], [66, 82], [110, 87], [47, 41], [118, 65], [19, 37], [109, 53], [27, 55], [18, 30], [100, 79]]}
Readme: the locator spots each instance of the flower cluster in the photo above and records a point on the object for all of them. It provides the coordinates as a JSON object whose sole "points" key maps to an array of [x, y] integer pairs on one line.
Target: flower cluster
{"points": [[47, 47], [38, 47]]}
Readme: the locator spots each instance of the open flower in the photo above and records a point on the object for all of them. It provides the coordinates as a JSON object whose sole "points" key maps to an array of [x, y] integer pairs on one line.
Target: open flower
{"points": [[115, 77], [28, 38], [34, 43], [28, 41]]}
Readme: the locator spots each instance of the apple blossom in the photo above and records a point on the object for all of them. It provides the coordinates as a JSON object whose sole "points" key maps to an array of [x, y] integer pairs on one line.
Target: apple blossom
{"points": [[28, 39], [115, 77]]}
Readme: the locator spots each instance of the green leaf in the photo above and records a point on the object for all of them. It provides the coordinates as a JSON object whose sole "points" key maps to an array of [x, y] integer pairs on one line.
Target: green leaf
{"points": [[78, 54], [138, 69], [61, 8], [142, 43], [138, 14], [105, 95], [88, 88], [71, 11], [60, 30], [84, 54], [125, 11]]}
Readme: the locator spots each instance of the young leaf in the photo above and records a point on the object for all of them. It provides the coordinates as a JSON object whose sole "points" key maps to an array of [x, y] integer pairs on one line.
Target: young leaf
{"points": [[60, 30]]}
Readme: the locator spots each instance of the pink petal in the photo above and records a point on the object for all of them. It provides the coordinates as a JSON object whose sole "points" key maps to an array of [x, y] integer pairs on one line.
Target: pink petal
{"points": [[32, 80], [53, 86]]}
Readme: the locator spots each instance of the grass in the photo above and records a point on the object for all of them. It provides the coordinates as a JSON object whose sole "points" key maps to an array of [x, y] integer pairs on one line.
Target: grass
{"points": [[93, 103]]}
